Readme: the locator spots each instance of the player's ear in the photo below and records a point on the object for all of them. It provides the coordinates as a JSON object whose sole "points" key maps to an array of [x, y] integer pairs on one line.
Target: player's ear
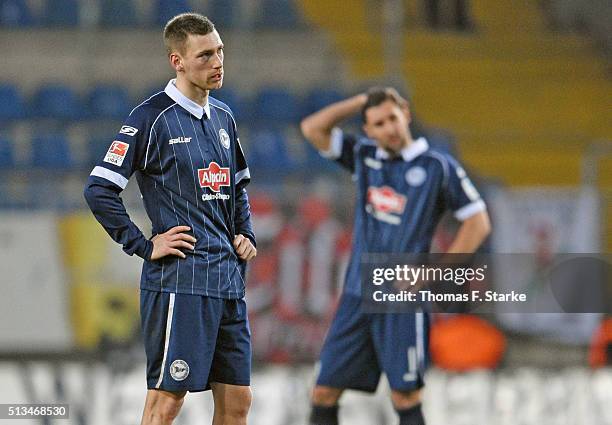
{"points": [[366, 129], [406, 111], [176, 61]]}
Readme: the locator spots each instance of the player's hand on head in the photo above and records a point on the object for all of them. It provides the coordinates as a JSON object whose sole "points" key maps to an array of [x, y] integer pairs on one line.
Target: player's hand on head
{"points": [[244, 248], [172, 243]]}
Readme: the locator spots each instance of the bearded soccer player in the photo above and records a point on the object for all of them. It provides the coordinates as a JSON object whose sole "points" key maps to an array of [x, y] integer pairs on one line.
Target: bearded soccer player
{"points": [[183, 146], [387, 163]]}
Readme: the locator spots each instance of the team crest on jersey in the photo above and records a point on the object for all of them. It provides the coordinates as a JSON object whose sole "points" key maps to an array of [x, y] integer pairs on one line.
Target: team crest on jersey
{"points": [[224, 137], [214, 177], [179, 370], [416, 176], [116, 153]]}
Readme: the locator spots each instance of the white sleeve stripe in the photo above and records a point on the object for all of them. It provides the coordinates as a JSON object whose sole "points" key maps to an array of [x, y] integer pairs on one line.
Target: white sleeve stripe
{"points": [[335, 144], [469, 210], [243, 174], [111, 176]]}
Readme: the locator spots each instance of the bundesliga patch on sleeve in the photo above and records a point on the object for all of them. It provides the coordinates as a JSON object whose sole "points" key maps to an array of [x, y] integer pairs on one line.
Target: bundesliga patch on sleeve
{"points": [[116, 153]]}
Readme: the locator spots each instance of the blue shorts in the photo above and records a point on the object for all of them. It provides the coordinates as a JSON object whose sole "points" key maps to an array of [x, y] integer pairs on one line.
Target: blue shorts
{"points": [[193, 340], [360, 346]]}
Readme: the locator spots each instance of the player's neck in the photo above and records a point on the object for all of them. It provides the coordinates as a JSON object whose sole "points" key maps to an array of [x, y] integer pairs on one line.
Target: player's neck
{"points": [[406, 145], [192, 91]]}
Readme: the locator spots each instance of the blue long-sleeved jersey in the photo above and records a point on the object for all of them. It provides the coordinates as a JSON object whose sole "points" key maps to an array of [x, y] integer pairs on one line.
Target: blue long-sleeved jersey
{"points": [[191, 171], [400, 200]]}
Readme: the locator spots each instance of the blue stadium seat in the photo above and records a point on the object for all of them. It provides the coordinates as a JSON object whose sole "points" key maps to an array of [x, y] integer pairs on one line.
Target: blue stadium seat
{"points": [[237, 104], [51, 151], [276, 105], [166, 9], [320, 98], [314, 161], [118, 13], [278, 14], [56, 101], [224, 13], [108, 101], [267, 154], [61, 13], [15, 13], [12, 105], [97, 148], [7, 153], [150, 91]]}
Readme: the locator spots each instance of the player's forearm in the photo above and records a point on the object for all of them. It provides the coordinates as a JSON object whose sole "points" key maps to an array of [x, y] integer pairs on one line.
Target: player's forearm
{"points": [[108, 208], [317, 127], [471, 234]]}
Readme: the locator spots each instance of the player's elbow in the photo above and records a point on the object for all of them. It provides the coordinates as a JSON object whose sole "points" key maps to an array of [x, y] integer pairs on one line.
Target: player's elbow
{"points": [[317, 136], [307, 128]]}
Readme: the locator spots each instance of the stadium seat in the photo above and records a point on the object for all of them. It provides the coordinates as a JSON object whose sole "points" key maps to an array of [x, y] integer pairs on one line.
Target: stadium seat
{"points": [[279, 14], [224, 13], [320, 98], [56, 101], [108, 101], [314, 161], [118, 13], [150, 91], [7, 154], [166, 9], [15, 13], [12, 105], [61, 13], [51, 151], [96, 149], [267, 154], [237, 104], [276, 105]]}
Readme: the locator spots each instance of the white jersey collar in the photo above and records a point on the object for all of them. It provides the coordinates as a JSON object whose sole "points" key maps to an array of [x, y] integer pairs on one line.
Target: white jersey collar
{"points": [[409, 153], [188, 104]]}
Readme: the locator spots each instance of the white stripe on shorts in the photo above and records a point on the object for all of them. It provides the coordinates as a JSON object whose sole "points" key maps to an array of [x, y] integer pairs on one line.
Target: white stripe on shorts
{"points": [[166, 343]]}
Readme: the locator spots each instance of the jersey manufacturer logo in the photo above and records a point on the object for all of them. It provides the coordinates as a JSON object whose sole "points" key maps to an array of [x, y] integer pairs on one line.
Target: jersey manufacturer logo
{"points": [[116, 153], [214, 177], [179, 370], [130, 131], [224, 138], [180, 140], [416, 176], [385, 199]]}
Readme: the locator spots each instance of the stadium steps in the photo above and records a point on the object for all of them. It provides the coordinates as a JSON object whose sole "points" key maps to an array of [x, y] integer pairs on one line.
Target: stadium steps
{"points": [[525, 102], [511, 85]]}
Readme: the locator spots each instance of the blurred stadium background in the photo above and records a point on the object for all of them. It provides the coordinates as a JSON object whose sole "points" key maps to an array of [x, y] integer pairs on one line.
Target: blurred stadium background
{"points": [[520, 90]]}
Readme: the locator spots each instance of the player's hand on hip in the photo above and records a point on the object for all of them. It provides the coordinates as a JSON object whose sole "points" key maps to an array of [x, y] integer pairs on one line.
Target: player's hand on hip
{"points": [[244, 247], [172, 242]]}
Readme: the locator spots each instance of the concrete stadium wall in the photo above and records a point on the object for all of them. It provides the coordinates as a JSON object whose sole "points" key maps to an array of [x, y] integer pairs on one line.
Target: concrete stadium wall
{"points": [[298, 60]]}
